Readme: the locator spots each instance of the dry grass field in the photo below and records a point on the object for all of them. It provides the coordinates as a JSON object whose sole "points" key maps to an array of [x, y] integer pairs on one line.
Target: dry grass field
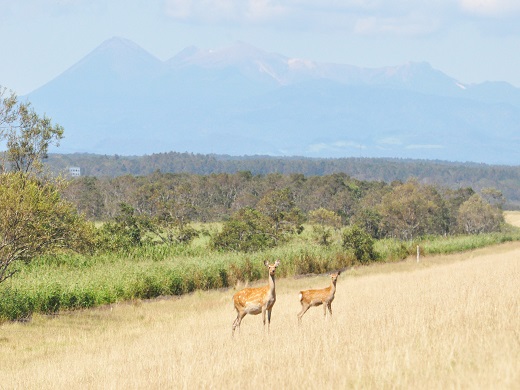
{"points": [[513, 217], [447, 322]]}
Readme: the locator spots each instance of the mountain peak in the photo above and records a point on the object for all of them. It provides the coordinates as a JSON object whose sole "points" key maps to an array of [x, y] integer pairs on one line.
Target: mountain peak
{"points": [[409, 69], [238, 53], [117, 47], [417, 76], [243, 49], [122, 56], [187, 56], [187, 52], [248, 60], [116, 42]]}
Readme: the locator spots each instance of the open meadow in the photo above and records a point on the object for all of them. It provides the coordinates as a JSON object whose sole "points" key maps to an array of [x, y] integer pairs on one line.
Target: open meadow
{"points": [[446, 322], [512, 217]]}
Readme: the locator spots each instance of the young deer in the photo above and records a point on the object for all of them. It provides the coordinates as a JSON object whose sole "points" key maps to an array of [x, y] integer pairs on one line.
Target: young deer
{"points": [[256, 300], [324, 296]]}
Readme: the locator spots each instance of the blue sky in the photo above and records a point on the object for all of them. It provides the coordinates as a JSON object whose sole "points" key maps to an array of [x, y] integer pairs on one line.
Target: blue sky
{"points": [[471, 40]]}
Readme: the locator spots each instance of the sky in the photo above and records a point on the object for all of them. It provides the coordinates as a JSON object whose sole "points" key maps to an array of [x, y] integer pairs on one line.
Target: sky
{"points": [[471, 40]]}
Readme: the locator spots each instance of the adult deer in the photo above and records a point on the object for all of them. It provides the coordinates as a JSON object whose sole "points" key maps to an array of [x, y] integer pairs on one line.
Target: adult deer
{"points": [[256, 300], [324, 296]]}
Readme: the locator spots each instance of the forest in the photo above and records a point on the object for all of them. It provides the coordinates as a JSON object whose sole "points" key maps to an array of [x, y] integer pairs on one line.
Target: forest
{"points": [[403, 210], [443, 173]]}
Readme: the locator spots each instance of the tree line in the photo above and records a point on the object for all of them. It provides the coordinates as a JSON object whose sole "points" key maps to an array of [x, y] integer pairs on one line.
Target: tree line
{"points": [[402, 210], [442, 173]]}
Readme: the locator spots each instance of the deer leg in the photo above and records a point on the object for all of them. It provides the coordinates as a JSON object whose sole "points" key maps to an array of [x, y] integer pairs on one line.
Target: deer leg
{"points": [[269, 320], [329, 305], [238, 320], [302, 312], [325, 309], [234, 326]]}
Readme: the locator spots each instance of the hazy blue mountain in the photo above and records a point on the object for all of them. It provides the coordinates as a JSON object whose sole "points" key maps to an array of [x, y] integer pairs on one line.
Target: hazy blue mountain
{"points": [[241, 100]]}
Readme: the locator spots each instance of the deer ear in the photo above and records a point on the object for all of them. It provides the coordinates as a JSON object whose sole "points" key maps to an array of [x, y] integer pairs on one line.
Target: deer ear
{"points": [[339, 273], [277, 263], [266, 263]]}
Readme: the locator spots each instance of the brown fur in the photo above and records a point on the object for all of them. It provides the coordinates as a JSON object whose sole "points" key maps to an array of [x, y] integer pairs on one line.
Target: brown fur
{"points": [[324, 296], [256, 300]]}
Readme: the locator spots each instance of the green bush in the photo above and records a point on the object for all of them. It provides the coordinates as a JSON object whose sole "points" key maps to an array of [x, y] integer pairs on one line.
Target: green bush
{"points": [[35, 220], [15, 304], [186, 235], [322, 234], [175, 283], [49, 300], [248, 230], [323, 224], [357, 240], [393, 249]]}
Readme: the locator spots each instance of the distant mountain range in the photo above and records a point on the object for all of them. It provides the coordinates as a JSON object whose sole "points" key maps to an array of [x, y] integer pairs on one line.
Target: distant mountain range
{"points": [[241, 100]]}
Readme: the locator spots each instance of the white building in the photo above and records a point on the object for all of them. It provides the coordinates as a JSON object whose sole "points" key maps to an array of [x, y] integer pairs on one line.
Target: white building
{"points": [[75, 171]]}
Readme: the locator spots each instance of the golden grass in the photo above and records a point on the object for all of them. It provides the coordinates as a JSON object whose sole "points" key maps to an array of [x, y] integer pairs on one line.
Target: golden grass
{"points": [[512, 217], [445, 322]]}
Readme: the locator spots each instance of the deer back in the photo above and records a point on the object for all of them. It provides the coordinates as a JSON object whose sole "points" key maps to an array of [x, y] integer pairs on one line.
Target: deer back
{"points": [[320, 295], [252, 295]]}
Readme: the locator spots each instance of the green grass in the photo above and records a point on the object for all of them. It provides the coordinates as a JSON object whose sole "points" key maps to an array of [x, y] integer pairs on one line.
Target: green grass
{"points": [[68, 282], [444, 245]]}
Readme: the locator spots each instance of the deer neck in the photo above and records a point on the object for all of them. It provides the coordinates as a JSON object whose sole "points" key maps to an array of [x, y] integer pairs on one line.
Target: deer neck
{"points": [[332, 287], [271, 286]]}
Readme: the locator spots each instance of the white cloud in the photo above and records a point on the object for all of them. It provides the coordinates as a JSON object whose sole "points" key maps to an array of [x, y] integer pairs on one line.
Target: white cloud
{"points": [[54, 8], [491, 8], [223, 10], [360, 17], [363, 17], [390, 141], [264, 9], [425, 146], [335, 146], [179, 9], [411, 25]]}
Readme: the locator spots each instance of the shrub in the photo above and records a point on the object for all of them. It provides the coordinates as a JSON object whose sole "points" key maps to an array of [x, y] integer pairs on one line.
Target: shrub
{"points": [[357, 240], [122, 233], [323, 221], [35, 220], [477, 216], [186, 235], [15, 305], [49, 300], [248, 230]]}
